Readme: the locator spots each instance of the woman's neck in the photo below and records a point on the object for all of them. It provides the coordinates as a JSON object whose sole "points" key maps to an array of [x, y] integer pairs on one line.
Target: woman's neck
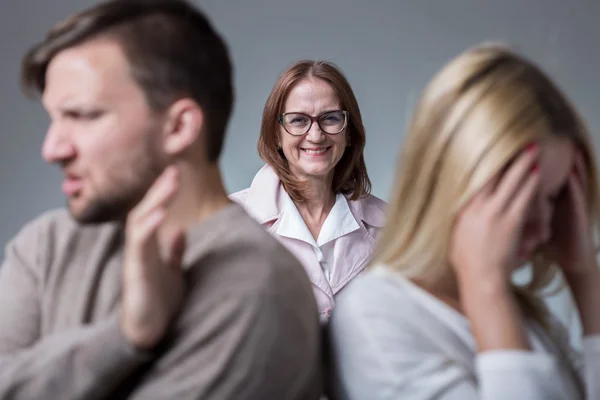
{"points": [[319, 199]]}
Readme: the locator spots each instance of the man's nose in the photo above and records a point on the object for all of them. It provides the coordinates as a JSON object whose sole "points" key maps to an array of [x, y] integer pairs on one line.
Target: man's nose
{"points": [[57, 146]]}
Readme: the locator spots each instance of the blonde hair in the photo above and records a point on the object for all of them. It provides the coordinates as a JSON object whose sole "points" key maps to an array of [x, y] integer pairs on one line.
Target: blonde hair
{"points": [[473, 118]]}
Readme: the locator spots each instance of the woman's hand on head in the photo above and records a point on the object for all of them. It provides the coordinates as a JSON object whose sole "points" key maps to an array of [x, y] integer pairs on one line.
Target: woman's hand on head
{"points": [[572, 246], [484, 251], [487, 231]]}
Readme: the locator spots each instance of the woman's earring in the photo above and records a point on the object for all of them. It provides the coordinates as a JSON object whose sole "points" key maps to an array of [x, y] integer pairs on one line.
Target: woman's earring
{"points": [[278, 148]]}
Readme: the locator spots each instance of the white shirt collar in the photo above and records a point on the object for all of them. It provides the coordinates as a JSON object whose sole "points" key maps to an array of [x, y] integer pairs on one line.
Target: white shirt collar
{"points": [[339, 222]]}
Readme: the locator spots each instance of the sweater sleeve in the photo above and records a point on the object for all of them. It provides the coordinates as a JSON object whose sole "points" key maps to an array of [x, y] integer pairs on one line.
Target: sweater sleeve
{"points": [[76, 364]]}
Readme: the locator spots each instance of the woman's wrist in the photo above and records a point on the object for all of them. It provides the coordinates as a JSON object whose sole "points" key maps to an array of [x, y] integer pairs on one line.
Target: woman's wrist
{"points": [[489, 282], [496, 320], [489, 303]]}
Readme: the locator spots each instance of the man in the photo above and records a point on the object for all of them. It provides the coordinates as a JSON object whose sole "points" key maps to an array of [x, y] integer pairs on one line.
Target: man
{"points": [[153, 285]]}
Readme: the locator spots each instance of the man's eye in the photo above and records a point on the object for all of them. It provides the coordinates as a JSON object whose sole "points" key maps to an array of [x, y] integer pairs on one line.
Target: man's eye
{"points": [[82, 115]]}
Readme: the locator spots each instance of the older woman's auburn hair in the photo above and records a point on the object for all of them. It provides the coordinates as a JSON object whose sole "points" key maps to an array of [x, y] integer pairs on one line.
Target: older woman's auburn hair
{"points": [[475, 116], [350, 174]]}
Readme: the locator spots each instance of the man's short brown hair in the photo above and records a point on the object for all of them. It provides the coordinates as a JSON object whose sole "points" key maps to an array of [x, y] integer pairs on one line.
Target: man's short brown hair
{"points": [[172, 49]]}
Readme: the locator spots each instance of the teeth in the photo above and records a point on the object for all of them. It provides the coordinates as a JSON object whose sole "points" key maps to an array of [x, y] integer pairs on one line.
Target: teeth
{"points": [[320, 151]]}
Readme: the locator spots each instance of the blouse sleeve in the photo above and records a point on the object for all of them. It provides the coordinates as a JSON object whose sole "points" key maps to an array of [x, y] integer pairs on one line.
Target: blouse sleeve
{"points": [[585, 361], [384, 346]]}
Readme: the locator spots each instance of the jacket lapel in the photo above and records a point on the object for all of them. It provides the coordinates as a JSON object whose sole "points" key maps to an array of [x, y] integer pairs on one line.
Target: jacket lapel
{"points": [[355, 249], [266, 202], [352, 255], [305, 254]]}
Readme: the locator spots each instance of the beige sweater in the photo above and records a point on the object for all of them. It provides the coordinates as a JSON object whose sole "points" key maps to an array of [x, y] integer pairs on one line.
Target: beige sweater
{"points": [[248, 328]]}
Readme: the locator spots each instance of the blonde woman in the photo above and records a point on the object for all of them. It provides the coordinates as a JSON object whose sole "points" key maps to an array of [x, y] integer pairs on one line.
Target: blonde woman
{"points": [[497, 171]]}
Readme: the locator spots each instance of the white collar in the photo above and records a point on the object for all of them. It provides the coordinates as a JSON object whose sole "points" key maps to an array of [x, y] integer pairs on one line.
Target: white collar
{"points": [[339, 222], [266, 196]]}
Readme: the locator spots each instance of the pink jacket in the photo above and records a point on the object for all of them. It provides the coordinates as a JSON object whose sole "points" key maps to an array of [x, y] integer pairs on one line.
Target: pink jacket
{"points": [[263, 201]]}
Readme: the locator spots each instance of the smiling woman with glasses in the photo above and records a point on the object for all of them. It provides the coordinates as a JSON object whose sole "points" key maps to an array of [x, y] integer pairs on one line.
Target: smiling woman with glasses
{"points": [[313, 194]]}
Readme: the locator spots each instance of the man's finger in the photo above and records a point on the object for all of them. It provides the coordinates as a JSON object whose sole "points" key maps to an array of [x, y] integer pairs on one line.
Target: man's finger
{"points": [[144, 229], [159, 194], [177, 250]]}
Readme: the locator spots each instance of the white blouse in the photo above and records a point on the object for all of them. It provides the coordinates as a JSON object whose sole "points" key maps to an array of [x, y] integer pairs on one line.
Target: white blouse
{"points": [[393, 340], [338, 223]]}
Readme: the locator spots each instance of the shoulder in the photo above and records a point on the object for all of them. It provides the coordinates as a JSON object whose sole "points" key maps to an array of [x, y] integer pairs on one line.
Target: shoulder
{"points": [[54, 219], [242, 269], [265, 180], [240, 197], [53, 238], [42, 230], [248, 250], [246, 286], [385, 301], [373, 201], [59, 223], [370, 209], [280, 267], [376, 329], [262, 199], [371, 293]]}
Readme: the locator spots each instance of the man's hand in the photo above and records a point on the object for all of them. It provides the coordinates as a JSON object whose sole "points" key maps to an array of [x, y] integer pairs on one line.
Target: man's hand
{"points": [[152, 282]]}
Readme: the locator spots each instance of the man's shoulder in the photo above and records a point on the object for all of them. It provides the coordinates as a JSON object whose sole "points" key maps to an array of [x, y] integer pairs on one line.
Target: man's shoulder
{"points": [[242, 244], [250, 240], [55, 236], [50, 222], [59, 222], [247, 300]]}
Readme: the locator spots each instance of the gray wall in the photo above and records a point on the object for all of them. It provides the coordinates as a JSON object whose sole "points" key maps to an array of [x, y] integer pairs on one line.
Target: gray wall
{"points": [[388, 49]]}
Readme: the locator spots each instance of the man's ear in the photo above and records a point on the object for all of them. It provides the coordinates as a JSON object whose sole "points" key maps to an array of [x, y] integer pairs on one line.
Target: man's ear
{"points": [[183, 124]]}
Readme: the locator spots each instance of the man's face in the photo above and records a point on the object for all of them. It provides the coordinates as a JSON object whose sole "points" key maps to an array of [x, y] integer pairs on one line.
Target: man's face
{"points": [[102, 134]]}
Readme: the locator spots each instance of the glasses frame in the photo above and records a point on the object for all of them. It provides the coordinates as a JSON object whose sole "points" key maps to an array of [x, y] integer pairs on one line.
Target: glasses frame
{"points": [[313, 120]]}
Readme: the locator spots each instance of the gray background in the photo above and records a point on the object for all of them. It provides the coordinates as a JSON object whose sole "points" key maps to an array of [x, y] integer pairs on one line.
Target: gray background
{"points": [[388, 49]]}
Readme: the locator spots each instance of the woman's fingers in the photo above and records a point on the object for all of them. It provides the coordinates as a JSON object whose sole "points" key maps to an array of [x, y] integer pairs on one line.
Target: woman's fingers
{"points": [[521, 201], [515, 176], [577, 194], [580, 169]]}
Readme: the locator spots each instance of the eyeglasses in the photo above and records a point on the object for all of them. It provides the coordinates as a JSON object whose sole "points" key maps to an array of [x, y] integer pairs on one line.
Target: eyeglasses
{"points": [[298, 124]]}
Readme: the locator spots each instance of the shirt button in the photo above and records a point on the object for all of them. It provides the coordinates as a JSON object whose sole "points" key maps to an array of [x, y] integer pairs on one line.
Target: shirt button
{"points": [[328, 312]]}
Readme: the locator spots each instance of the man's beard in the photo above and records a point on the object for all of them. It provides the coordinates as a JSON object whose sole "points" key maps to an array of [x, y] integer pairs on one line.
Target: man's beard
{"points": [[128, 190], [107, 209]]}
